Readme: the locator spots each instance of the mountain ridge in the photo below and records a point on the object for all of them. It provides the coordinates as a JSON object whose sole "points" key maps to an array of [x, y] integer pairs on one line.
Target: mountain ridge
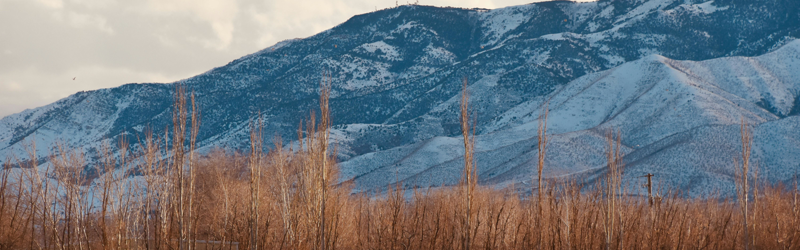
{"points": [[720, 127], [396, 72]]}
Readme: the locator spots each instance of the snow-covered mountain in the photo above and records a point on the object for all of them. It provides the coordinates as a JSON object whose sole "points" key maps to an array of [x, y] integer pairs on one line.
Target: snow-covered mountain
{"points": [[397, 77], [679, 120]]}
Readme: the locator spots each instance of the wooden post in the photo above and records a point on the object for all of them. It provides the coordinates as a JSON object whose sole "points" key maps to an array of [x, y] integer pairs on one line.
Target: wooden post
{"points": [[649, 186]]}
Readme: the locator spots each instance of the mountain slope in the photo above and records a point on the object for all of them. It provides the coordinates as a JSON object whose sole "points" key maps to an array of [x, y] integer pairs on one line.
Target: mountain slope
{"points": [[397, 75], [678, 119]]}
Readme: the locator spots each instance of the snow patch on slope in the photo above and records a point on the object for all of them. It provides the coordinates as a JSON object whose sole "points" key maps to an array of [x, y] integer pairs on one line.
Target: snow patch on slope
{"points": [[384, 50], [498, 22], [642, 10], [707, 7]]}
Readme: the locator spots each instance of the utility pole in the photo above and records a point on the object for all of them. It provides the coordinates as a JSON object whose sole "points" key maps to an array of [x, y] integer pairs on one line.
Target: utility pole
{"points": [[649, 187]]}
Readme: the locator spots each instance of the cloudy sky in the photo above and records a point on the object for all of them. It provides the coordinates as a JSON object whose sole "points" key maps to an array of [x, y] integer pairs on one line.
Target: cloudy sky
{"points": [[44, 44]]}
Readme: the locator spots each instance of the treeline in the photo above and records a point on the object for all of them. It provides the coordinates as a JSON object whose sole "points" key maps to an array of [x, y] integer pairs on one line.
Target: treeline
{"points": [[163, 196]]}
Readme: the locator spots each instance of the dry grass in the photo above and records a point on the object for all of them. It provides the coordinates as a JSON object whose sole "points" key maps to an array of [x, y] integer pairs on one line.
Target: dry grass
{"points": [[288, 199]]}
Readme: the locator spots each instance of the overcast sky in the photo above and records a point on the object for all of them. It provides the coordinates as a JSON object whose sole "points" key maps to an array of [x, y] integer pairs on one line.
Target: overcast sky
{"points": [[44, 44]]}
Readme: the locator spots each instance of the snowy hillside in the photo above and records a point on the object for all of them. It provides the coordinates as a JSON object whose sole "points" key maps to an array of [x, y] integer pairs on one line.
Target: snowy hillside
{"points": [[679, 120], [397, 76]]}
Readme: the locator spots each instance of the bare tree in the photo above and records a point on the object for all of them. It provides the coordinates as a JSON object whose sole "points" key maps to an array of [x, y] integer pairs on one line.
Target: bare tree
{"points": [[612, 186], [255, 178], [542, 150], [183, 173], [470, 176], [742, 173]]}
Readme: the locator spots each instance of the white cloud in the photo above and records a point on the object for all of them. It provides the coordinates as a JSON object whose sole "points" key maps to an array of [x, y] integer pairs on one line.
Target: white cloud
{"points": [[11, 86], [78, 20], [63, 14], [224, 31], [95, 4], [53, 4], [218, 14]]}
